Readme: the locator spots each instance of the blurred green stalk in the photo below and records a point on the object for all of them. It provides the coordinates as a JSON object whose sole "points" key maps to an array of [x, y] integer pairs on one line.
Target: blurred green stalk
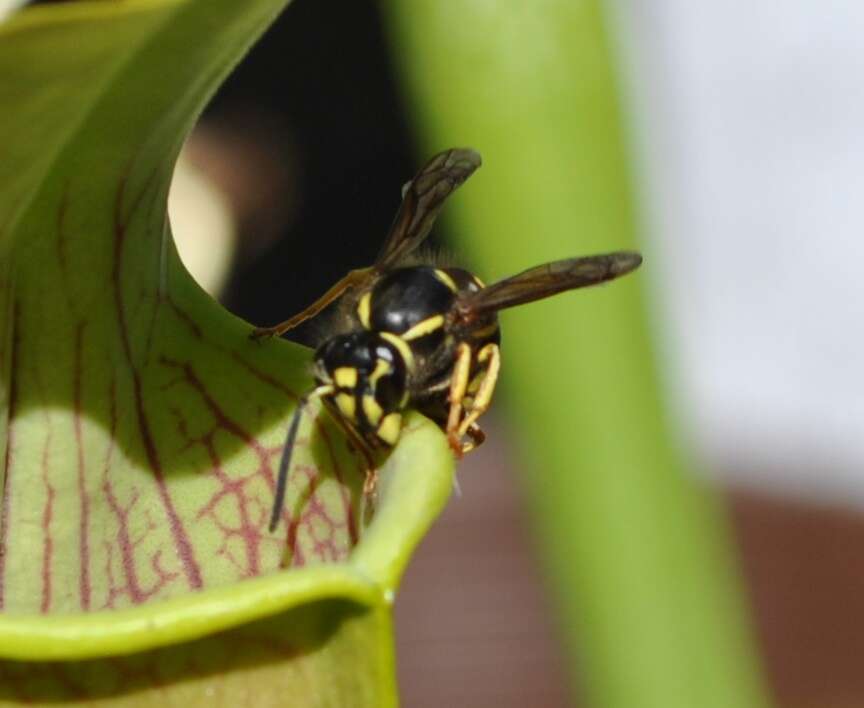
{"points": [[635, 549]]}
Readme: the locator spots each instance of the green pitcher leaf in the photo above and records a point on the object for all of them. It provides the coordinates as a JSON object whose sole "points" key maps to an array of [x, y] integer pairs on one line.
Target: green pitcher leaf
{"points": [[141, 426]]}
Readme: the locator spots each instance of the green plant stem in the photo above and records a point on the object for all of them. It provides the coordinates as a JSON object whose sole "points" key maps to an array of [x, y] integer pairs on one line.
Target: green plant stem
{"points": [[636, 550]]}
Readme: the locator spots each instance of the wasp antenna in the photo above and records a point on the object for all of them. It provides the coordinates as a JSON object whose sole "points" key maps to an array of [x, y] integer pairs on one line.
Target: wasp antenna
{"points": [[287, 452], [624, 261]]}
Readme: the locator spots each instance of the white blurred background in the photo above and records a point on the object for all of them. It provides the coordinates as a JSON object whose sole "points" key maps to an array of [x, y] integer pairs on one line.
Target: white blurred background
{"points": [[749, 125]]}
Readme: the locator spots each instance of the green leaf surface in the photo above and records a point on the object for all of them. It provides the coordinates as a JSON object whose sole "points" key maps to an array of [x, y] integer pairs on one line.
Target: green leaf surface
{"points": [[327, 653], [141, 426]]}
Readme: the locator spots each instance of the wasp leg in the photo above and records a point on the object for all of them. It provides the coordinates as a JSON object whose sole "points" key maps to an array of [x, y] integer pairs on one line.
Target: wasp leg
{"points": [[458, 387], [490, 355], [478, 437], [356, 442], [352, 280]]}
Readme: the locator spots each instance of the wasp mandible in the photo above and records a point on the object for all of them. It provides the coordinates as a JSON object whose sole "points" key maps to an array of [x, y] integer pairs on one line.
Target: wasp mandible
{"points": [[419, 336]]}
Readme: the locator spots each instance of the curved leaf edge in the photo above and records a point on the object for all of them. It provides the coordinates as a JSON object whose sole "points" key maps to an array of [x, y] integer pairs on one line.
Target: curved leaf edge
{"points": [[412, 493], [179, 619]]}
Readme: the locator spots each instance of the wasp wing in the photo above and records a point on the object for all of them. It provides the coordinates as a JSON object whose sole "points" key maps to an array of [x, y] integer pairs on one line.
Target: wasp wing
{"points": [[547, 280], [422, 200], [356, 279]]}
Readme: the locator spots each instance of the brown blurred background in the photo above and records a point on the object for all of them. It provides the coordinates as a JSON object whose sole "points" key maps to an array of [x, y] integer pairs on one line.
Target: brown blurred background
{"points": [[473, 626]]}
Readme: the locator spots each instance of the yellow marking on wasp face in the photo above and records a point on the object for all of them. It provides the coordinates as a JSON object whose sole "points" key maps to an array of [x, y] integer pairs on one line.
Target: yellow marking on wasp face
{"points": [[345, 377], [401, 346], [479, 282], [390, 428], [364, 308], [347, 405], [382, 368], [372, 409], [424, 327], [446, 279]]}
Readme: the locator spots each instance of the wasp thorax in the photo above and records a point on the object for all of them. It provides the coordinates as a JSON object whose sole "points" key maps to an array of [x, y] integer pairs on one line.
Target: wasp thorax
{"points": [[368, 373], [412, 303], [463, 280]]}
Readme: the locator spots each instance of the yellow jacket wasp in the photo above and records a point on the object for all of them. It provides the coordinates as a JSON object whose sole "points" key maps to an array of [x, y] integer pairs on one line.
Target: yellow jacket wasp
{"points": [[419, 336]]}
